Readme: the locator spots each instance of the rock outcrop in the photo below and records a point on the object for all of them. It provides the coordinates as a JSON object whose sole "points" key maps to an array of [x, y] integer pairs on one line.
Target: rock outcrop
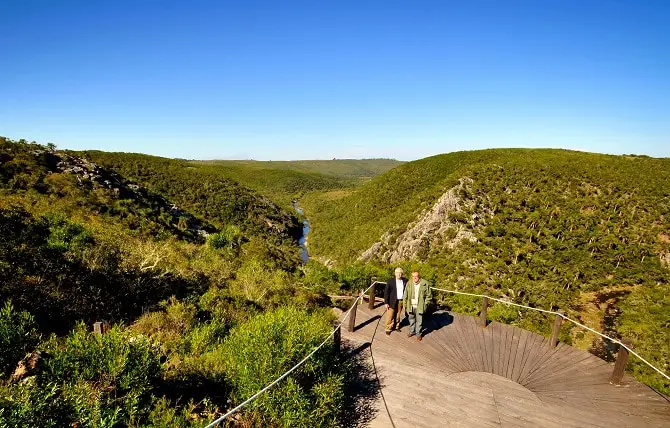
{"points": [[442, 227]]}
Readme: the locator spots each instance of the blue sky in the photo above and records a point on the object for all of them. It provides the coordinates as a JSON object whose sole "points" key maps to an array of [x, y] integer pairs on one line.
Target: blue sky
{"points": [[346, 79]]}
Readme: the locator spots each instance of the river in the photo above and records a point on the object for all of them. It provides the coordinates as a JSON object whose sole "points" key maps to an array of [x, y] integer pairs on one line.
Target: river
{"points": [[304, 254]]}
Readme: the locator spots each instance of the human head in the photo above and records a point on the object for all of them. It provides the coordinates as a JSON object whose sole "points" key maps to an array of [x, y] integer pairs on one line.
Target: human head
{"points": [[398, 272], [416, 277]]}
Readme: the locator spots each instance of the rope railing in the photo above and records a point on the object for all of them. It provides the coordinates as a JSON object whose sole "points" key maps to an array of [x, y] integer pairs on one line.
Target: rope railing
{"points": [[362, 294], [294, 368], [565, 317]]}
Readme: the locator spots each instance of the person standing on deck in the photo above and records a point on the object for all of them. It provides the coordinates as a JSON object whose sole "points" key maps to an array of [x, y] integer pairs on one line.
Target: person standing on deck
{"points": [[416, 298], [393, 295]]}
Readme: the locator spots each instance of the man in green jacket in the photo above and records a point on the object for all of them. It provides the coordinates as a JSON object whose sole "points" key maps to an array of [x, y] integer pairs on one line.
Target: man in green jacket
{"points": [[415, 299]]}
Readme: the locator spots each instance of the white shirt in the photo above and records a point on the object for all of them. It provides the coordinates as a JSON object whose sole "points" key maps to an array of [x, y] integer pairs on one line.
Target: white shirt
{"points": [[399, 288], [415, 296]]}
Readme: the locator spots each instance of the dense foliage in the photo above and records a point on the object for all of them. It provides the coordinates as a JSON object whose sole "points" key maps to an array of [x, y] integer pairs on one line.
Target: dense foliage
{"points": [[341, 168], [202, 281], [205, 191], [18, 334], [81, 242], [586, 233], [280, 184]]}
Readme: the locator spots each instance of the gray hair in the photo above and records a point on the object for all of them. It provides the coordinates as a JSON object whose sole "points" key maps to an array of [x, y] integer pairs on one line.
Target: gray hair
{"points": [[399, 269]]}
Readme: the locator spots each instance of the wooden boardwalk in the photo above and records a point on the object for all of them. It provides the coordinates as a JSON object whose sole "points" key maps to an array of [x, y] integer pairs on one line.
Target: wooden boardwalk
{"points": [[462, 375]]}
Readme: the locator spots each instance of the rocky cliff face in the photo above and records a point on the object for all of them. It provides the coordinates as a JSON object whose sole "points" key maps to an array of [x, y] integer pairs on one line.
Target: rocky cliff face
{"points": [[440, 228], [91, 175]]}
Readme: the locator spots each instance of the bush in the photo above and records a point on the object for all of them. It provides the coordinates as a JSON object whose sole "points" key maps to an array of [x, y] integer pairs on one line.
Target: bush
{"points": [[18, 335], [32, 404], [230, 238], [107, 379], [260, 350]]}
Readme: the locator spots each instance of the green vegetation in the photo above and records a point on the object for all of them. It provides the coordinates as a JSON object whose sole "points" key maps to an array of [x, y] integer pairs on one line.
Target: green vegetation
{"points": [[200, 277], [342, 168], [282, 185], [586, 233], [205, 191], [183, 289], [18, 334]]}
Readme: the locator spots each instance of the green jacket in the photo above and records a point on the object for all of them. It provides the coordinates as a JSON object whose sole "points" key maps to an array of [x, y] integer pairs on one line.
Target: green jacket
{"points": [[425, 296]]}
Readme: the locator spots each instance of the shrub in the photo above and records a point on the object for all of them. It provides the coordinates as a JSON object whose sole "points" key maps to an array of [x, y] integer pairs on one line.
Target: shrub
{"points": [[33, 404], [260, 350], [107, 379], [18, 335], [230, 237]]}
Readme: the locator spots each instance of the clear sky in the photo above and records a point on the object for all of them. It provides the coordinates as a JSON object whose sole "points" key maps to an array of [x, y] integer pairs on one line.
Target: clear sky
{"points": [[319, 79]]}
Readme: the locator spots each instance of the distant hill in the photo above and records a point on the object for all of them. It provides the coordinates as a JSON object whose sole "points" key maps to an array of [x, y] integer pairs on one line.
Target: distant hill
{"points": [[285, 181], [587, 233], [342, 168]]}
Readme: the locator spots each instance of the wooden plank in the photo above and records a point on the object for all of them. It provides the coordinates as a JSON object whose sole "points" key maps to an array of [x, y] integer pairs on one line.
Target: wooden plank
{"points": [[514, 348], [536, 348], [484, 349], [475, 344], [506, 344], [422, 388], [521, 351], [463, 348]]}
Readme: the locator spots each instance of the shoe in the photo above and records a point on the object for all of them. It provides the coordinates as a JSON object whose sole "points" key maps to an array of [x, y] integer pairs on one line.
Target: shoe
{"points": [[410, 334], [418, 338], [398, 329], [388, 332]]}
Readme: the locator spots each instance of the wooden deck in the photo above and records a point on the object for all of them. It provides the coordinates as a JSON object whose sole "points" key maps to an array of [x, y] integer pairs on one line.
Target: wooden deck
{"points": [[462, 375]]}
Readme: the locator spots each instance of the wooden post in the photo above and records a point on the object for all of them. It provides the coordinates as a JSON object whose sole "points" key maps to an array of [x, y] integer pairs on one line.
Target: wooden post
{"points": [[97, 327], [352, 317], [554, 333], [360, 293], [371, 301], [337, 337], [482, 315], [621, 362]]}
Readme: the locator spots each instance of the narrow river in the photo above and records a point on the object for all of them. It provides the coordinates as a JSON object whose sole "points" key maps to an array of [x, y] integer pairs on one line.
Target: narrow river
{"points": [[304, 254]]}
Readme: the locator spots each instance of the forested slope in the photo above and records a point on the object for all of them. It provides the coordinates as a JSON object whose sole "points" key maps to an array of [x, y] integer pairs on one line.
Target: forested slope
{"points": [[194, 273], [286, 181], [586, 233]]}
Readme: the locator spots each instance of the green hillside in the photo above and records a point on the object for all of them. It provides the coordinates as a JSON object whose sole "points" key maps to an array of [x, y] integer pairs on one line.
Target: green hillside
{"points": [[586, 233], [285, 181], [341, 168], [204, 190], [193, 272]]}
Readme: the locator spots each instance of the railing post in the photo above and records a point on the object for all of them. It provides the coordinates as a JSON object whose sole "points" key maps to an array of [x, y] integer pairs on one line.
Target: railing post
{"points": [[361, 294], [371, 300], [621, 362], [557, 327], [352, 316], [482, 315], [97, 327], [337, 337]]}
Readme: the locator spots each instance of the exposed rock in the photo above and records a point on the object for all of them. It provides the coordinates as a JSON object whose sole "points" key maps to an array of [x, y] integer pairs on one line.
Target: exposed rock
{"points": [[26, 367], [433, 229], [665, 259], [90, 174]]}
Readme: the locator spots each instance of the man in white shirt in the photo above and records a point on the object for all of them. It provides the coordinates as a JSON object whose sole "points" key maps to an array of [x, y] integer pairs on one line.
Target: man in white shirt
{"points": [[393, 294]]}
